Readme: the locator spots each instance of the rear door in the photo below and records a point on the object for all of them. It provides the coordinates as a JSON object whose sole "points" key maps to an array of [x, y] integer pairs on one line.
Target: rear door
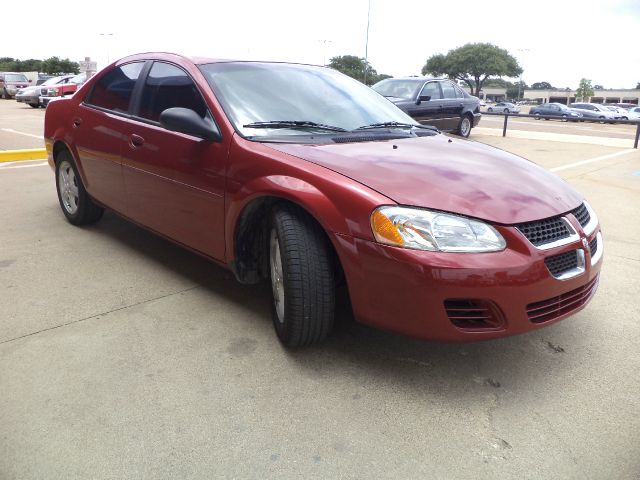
{"points": [[174, 182], [452, 106], [97, 134]]}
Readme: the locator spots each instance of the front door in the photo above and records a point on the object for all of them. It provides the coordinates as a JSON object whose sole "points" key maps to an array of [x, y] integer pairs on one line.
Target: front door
{"points": [[175, 182], [429, 112]]}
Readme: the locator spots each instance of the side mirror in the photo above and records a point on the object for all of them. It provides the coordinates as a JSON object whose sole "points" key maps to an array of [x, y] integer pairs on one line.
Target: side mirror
{"points": [[423, 98], [185, 120]]}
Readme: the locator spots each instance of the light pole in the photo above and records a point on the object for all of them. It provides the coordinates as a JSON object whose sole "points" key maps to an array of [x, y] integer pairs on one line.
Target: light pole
{"points": [[106, 37], [520, 80], [366, 45], [324, 51]]}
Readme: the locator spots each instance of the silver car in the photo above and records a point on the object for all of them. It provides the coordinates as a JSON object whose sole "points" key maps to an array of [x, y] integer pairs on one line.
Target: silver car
{"points": [[601, 112], [504, 107], [31, 95]]}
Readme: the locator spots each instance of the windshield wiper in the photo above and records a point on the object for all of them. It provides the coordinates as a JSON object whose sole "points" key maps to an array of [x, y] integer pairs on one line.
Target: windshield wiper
{"points": [[396, 125], [294, 124]]}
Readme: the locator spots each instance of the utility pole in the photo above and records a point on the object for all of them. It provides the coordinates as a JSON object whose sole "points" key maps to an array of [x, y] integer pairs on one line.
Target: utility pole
{"points": [[366, 45]]}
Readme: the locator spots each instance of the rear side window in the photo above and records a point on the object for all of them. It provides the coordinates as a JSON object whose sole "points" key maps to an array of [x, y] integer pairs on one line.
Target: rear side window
{"points": [[168, 86], [113, 91], [448, 90]]}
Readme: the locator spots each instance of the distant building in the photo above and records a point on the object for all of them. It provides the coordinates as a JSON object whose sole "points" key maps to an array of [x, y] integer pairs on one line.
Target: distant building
{"points": [[569, 96], [495, 94]]}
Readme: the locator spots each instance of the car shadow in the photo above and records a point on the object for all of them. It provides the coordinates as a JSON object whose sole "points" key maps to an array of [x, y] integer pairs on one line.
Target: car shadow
{"points": [[516, 363]]}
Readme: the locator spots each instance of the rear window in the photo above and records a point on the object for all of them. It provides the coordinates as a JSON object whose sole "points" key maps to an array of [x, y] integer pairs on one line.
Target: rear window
{"points": [[113, 91]]}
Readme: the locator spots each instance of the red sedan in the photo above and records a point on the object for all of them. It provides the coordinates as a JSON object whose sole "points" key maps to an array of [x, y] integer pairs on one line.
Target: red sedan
{"points": [[302, 176]]}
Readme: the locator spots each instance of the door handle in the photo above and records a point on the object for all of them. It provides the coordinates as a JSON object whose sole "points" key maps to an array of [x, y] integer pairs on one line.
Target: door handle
{"points": [[77, 122], [136, 140]]}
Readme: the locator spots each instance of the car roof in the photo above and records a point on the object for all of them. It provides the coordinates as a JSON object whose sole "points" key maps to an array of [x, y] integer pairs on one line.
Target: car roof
{"points": [[197, 60]]}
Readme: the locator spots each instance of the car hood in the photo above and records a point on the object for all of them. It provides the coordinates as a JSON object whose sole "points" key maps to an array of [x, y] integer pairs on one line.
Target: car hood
{"points": [[452, 175], [29, 90]]}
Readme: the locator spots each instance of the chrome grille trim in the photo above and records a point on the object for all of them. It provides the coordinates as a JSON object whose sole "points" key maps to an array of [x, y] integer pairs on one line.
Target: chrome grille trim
{"points": [[600, 248]]}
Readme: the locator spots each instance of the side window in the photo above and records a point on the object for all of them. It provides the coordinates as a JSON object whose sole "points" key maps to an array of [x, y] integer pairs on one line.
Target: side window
{"points": [[113, 91], [459, 92], [448, 90], [168, 86], [432, 89]]}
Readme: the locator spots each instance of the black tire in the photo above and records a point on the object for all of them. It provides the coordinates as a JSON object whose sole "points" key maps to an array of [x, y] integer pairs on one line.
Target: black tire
{"points": [[506, 110], [465, 126], [78, 208], [565, 117], [536, 115], [489, 109], [34, 106], [306, 280]]}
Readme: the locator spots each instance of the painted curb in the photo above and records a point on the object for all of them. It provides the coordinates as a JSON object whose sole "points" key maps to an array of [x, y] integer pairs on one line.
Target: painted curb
{"points": [[17, 155]]}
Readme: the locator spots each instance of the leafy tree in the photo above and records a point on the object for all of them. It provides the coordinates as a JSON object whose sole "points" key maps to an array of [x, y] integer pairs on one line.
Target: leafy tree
{"points": [[541, 86], [30, 65], [473, 63], [8, 64], [515, 90], [355, 68], [55, 65], [584, 89]]}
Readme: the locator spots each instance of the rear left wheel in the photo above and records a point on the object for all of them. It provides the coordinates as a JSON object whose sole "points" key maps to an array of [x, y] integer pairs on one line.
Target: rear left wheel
{"points": [[464, 128], [302, 277], [75, 202]]}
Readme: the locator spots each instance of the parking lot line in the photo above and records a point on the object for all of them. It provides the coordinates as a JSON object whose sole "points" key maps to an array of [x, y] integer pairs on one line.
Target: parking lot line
{"points": [[12, 165], [592, 160], [11, 130]]}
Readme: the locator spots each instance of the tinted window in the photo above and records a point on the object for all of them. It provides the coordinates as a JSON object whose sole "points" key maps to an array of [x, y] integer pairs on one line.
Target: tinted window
{"points": [[448, 90], [113, 91], [168, 86], [396, 88], [431, 89]]}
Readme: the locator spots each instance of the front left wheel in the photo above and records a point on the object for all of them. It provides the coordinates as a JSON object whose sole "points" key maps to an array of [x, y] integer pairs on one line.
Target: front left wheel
{"points": [[76, 203], [302, 275]]}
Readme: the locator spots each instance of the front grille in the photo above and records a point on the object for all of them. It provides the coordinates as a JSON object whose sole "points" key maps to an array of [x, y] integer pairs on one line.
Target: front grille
{"points": [[555, 307], [593, 245], [541, 232], [582, 215], [559, 264], [474, 314]]}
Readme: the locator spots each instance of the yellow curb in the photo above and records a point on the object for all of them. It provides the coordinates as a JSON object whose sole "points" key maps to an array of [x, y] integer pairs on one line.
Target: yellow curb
{"points": [[17, 155]]}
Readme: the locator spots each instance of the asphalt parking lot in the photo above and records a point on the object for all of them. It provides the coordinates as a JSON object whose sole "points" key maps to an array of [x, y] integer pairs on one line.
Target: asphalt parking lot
{"points": [[125, 356]]}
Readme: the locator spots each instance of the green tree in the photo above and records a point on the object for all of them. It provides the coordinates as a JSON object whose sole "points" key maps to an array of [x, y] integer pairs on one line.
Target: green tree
{"points": [[55, 65], [473, 63], [584, 89], [541, 86], [8, 64], [30, 65], [516, 89], [355, 68]]}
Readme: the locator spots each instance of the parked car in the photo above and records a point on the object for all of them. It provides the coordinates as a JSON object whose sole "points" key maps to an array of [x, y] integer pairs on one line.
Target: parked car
{"points": [[623, 113], [634, 110], [61, 90], [11, 82], [504, 107], [550, 110], [597, 111], [31, 95], [432, 101], [306, 178]]}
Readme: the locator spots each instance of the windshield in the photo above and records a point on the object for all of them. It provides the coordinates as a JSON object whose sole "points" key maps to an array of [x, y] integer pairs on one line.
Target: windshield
{"points": [[252, 92], [397, 88], [53, 81], [13, 77], [80, 78]]}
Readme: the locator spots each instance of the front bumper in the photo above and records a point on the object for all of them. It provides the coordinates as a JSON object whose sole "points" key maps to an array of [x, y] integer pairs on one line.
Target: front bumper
{"points": [[420, 294], [30, 99]]}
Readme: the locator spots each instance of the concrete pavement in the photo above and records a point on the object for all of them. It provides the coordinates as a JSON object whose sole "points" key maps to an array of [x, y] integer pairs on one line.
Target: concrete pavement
{"points": [[124, 356]]}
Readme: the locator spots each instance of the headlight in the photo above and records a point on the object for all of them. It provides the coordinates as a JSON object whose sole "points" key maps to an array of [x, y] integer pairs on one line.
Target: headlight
{"points": [[435, 231]]}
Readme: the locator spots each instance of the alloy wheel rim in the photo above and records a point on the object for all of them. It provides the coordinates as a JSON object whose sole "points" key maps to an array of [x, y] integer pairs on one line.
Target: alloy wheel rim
{"points": [[277, 280], [68, 187], [464, 128]]}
